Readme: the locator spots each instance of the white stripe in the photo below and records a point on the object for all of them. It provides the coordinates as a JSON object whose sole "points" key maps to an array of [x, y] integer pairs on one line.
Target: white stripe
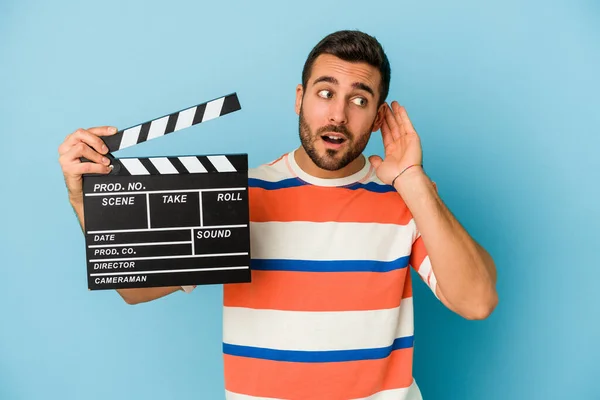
{"points": [[221, 163], [193, 244], [228, 189], [158, 127], [168, 271], [201, 210], [433, 283], [130, 137], [410, 393], [426, 272], [99, 246], [148, 210], [331, 240], [237, 396], [213, 109], [163, 165], [169, 257], [425, 268], [169, 229], [271, 173], [188, 289], [316, 331], [192, 164], [185, 118], [134, 166]]}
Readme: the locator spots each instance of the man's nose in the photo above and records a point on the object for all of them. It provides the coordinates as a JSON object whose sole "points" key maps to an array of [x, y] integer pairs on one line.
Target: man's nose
{"points": [[338, 112]]}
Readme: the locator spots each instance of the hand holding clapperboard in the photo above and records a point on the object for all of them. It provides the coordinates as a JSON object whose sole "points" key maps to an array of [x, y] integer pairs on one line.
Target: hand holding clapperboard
{"points": [[168, 221]]}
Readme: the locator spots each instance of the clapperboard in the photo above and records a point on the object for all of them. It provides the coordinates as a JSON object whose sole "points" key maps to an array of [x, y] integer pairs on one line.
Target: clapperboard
{"points": [[168, 221]]}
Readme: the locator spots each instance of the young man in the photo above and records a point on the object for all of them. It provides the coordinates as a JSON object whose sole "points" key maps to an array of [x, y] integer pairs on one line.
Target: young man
{"points": [[329, 313]]}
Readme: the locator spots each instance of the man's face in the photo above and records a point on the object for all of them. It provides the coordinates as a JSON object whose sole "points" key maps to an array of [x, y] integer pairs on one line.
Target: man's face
{"points": [[338, 110]]}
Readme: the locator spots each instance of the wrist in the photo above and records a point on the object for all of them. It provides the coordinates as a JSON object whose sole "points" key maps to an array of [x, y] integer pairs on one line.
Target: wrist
{"points": [[408, 174], [75, 200], [414, 182]]}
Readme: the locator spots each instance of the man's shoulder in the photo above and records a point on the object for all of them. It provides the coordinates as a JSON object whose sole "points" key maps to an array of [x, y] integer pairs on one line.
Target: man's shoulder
{"points": [[274, 170]]}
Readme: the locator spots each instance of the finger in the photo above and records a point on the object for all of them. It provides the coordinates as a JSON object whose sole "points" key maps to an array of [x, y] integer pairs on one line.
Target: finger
{"points": [[103, 130], [386, 134], [77, 170], [375, 161], [74, 170], [395, 124], [66, 145], [83, 150], [403, 115], [83, 136]]}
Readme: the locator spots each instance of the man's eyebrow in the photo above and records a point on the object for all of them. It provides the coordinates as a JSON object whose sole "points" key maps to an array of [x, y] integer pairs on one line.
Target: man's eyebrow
{"points": [[329, 79], [356, 85], [362, 86]]}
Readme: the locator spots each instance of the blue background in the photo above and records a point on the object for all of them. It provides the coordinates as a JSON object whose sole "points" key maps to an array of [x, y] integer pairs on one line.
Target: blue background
{"points": [[504, 94]]}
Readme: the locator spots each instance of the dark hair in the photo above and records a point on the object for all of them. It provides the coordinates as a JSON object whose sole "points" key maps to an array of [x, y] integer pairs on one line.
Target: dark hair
{"points": [[352, 46]]}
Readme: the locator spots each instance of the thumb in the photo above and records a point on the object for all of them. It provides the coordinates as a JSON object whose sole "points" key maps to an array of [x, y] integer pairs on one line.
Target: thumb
{"points": [[375, 161]]}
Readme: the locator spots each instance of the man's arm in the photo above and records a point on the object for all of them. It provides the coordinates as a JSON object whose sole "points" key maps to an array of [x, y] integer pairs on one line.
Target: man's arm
{"points": [[465, 272], [87, 143], [143, 295]]}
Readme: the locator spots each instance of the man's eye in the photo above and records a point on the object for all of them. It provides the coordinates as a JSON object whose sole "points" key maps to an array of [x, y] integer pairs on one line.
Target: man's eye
{"points": [[325, 94], [359, 101]]}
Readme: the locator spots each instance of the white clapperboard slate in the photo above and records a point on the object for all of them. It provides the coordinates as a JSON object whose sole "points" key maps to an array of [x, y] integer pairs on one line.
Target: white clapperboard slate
{"points": [[168, 221]]}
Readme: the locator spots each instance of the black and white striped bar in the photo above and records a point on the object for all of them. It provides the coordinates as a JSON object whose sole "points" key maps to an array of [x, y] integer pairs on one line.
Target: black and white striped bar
{"points": [[178, 165], [173, 122], [168, 221]]}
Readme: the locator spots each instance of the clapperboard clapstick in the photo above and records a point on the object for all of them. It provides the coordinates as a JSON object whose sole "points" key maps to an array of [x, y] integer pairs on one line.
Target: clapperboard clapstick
{"points": [[168, 221]]}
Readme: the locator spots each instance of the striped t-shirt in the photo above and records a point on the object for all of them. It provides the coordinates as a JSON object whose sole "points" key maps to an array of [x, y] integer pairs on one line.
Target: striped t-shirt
{"points": [[329, 312]]}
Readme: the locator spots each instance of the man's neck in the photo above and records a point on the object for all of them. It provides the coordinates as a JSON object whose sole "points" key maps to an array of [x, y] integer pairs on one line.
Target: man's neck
{"points": [[308, 166]]}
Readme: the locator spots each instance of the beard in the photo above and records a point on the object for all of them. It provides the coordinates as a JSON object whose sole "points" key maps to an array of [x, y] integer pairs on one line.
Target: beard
{"points": [[331, 159]]}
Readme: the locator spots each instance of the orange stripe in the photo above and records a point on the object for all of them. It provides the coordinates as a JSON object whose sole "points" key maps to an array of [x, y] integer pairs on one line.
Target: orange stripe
{"points": [[408, 291], [309, 203], [316, 291], [418, 253], [333, 380]]}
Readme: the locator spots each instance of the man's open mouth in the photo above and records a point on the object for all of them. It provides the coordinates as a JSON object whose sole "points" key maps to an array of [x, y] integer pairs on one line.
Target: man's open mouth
{"points": [[333, 139]]}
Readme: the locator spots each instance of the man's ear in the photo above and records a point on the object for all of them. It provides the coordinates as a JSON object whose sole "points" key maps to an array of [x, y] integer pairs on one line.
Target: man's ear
{"points": [[380, 117], [299, 93]]}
